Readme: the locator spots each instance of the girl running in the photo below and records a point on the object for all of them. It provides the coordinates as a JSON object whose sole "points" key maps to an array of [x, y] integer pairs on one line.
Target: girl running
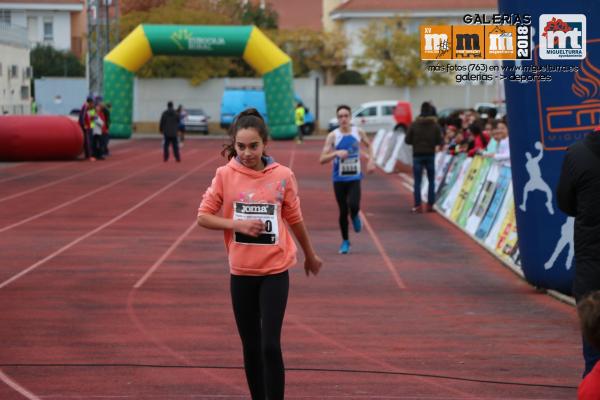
{"points": [[256, 195], [343, 147]]}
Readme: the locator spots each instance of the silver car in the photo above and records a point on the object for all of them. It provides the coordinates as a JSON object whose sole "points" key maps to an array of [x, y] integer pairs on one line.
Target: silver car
{"points": [[196, 120]]}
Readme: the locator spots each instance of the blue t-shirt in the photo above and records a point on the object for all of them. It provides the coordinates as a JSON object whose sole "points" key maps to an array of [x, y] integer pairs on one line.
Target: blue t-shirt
{"points": [[348, 169]]}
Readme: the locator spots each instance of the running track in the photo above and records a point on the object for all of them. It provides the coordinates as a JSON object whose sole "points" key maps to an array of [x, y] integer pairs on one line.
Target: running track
{"points": [[108, 291]]}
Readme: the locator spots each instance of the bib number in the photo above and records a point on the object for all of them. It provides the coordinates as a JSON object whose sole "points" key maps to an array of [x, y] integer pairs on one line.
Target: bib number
{"points": [[349, 166], [267, 213]]}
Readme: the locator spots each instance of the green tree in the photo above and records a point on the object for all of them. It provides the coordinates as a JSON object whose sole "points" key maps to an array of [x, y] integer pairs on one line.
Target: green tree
{"points": [[393, 56], [264, 18], [47, 61], [313, 51], [349, 77]]}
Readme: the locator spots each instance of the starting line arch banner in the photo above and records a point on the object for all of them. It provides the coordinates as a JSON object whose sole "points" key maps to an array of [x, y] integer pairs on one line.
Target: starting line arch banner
{"points": [[247, 42]]}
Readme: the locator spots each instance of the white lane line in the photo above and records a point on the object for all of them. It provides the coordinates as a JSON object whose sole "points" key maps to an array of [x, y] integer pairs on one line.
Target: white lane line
{"points": [[165, 255], [101, 227], [18, 388], [58, 207], [407, 178], [108, 165], [386, 259]]}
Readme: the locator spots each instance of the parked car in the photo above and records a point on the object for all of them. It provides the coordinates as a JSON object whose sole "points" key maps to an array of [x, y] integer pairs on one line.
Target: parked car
{"points": [[236, 100], [375, 115], [489, 110], [196, 120]]}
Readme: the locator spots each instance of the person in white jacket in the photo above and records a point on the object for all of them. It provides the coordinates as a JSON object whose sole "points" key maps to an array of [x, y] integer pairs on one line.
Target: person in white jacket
{"points": [[498, 148]]}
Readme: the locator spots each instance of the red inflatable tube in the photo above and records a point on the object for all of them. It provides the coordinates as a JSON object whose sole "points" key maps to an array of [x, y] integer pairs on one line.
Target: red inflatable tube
{"points": [[39, 137]]}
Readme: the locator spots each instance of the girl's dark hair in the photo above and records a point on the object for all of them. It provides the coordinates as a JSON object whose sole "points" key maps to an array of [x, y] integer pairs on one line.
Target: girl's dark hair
{"points": [[343, 107], [249, 118], [476, 127]]}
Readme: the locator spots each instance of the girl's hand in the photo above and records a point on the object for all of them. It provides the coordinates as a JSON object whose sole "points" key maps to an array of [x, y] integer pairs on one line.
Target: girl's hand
{"points": [[370, 166], [343, 154], [312, 265], [251, 227]]}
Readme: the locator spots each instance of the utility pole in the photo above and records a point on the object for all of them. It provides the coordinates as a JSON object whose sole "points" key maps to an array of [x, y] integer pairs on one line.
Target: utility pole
{"points": [[99, 39]]}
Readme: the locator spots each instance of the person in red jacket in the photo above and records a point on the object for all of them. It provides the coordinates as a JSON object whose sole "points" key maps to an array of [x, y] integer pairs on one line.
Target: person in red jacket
{"points": [[589, 317], [478, 140]]}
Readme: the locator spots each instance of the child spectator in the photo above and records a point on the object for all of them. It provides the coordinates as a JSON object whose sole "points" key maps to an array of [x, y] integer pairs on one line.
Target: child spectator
{"points": [[589, 317], [478, 140]]}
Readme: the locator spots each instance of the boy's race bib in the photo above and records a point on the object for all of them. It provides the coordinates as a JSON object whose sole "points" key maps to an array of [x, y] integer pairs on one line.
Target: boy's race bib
{"points": [[267, 213], [349, 166]]}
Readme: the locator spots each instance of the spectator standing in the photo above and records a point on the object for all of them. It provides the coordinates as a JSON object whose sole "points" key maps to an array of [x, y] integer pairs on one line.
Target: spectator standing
{"points": [[87, 114], [589, 318], [498, 147], [98, 131], [106, 108], [577, 196], [424, 135], [300, 115], [169, 123], [478, 139]]}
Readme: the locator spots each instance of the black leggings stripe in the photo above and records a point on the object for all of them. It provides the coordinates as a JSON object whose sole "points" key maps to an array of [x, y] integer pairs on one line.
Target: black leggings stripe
{"points": [[347, 195], [259, 306]]}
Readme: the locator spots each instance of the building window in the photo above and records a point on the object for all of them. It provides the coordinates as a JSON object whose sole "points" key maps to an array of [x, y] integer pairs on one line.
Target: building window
{"points": [[24, 92], [48, 30], [4, 16]]}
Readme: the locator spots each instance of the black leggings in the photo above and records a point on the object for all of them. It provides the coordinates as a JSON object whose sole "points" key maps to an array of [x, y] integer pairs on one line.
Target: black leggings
{"points": [[347, 195], [259, 305]]}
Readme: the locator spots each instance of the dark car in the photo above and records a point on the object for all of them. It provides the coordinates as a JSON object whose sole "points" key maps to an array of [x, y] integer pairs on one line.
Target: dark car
{"points": [[196, 120]]}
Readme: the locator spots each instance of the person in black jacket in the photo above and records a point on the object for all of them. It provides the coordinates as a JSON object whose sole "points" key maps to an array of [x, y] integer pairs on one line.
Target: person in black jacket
{"points": [[424, 135], [578, 195], [169, 125]]}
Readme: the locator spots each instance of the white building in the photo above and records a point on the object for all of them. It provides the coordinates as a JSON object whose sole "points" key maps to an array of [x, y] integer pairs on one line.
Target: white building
{"points": [[15, 71], [60, 24], [352, 16]]}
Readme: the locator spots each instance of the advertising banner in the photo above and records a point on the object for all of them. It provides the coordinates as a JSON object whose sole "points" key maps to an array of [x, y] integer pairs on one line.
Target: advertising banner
{"points": [[474, 192], [553, 100], [495, 204]]}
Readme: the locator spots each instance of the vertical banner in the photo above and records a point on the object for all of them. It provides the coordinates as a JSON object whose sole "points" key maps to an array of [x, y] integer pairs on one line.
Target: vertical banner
{"points": [[553, 100]]}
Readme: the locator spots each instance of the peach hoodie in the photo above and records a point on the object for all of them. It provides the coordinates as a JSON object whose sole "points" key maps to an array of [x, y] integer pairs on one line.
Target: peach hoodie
{"points": [[276, 185]]}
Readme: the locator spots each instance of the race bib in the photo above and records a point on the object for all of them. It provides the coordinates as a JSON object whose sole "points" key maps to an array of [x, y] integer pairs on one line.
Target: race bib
{"points": [[349, 166], [267, 213]]}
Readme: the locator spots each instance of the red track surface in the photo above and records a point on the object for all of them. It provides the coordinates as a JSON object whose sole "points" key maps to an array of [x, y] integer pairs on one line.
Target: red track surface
{"points": [[108, 292]]}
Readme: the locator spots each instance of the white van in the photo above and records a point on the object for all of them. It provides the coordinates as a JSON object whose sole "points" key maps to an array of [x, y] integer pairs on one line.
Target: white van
{"points": [[372, 116]]}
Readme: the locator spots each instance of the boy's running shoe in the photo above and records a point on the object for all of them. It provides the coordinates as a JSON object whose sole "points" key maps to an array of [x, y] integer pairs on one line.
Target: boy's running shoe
{"points": [[345, 247]]}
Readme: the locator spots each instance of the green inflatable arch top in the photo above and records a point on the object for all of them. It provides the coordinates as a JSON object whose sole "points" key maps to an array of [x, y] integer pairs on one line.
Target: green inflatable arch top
{"points": [[248, 42]]}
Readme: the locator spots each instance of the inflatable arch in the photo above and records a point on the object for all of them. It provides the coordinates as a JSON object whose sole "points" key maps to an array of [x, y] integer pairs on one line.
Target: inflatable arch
{"points": [[249, 42]]}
